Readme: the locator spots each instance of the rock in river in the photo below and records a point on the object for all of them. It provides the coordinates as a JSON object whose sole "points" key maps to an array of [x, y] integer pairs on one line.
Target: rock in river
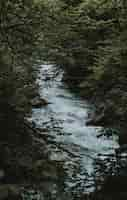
{"points": [[38, 102]]}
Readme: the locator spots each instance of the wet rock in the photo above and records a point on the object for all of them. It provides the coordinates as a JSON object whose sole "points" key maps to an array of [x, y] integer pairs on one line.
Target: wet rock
{"points": [[97, 120], [122, 149], [38, 102], [105, 115]]}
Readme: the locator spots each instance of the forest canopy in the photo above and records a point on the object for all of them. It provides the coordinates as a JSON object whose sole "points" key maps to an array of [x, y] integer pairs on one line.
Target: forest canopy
{"points": [[86, 38], [21, 23]]}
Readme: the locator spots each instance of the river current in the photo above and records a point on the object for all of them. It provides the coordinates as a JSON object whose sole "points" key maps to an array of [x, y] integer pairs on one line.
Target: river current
{"points": [[71, 141]]}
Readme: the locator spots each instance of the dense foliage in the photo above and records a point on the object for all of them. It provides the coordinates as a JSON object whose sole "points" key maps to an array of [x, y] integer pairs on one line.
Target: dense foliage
{"points": [[20, 25], [88, 39]]}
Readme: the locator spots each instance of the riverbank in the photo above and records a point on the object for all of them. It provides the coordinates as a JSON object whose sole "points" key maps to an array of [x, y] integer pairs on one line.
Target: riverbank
{"points": [[53, 154], [24, 157], [92, 53], [109, 102], [73, 143]]}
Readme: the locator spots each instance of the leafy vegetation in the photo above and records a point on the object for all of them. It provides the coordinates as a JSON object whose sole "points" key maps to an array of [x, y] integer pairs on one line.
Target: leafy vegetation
{"points": [[85, 38], [88, 39], [20, 24]]}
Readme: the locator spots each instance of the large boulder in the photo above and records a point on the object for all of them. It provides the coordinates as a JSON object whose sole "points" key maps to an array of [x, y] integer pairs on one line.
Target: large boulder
{"points": [[97, 120], [38, 102]]}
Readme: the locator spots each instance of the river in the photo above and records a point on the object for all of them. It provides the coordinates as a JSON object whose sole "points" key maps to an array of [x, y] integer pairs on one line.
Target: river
{"points": [[71, 141]]}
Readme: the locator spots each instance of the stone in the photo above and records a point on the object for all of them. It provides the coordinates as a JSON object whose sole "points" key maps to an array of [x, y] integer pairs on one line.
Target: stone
{"points": [[38, 102], [97, 120]]}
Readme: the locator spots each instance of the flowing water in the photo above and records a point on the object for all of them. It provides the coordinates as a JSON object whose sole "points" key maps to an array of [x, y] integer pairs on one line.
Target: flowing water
{"points": [[71, 141]]}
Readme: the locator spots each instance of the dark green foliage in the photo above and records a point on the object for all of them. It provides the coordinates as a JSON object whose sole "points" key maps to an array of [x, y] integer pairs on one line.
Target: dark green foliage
{"points": [[20, 25], [72, 2], [89, 40]]}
